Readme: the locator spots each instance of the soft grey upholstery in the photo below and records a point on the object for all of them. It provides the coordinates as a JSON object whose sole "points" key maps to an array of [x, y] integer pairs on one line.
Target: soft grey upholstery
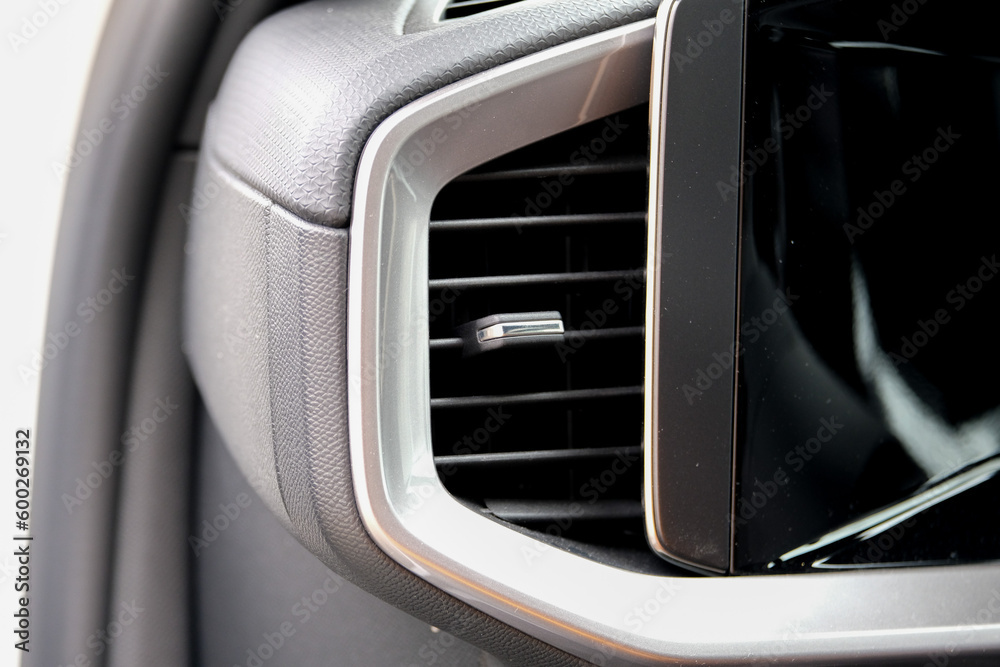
{"points": [[251, 577]]}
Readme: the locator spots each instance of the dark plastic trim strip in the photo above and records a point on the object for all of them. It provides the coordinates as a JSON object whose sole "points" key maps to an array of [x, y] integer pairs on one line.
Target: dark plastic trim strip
{"points": [[695, 111]]}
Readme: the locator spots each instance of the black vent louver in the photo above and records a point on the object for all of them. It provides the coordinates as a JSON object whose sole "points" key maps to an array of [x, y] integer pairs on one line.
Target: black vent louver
{"points": [[546, 434], [456, 9]]}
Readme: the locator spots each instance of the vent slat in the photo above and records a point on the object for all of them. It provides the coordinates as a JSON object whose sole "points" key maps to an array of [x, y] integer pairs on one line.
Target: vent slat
{"points": [[534, 456], [584, 334], [535, 279], [539, 397], [592, 168], [446, 343], [538, 220], [461, 8], [546, 430], [544, 511], [611, 332]]}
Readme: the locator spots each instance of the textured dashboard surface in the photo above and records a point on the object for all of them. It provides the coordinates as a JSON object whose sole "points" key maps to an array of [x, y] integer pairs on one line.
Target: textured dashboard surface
{"points": [[265, 332], [308, 86], [266, 292]]}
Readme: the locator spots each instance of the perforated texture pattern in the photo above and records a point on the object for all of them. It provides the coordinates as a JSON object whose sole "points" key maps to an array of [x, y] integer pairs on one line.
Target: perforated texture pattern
{"points": [[308, 86], [266, 336], [266, 290]]}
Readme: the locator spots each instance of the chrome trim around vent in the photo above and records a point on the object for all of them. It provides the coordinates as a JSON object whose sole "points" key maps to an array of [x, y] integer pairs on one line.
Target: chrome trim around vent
{"points": [[600, 613]]}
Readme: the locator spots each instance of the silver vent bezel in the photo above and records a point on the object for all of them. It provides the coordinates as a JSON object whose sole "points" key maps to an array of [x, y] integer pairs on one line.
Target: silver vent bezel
{"points": [[600, 613]]}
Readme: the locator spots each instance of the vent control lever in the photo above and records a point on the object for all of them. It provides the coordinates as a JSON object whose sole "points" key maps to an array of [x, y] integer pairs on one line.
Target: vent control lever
{"points": [[496, 331]]}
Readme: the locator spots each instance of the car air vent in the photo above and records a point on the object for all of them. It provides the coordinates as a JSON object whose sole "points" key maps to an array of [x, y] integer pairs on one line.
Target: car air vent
{"points": [[457, 9], [537, 282]]}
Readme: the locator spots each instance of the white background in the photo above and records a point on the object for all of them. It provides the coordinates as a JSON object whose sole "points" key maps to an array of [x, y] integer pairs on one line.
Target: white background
{"points": [[41, 91]]}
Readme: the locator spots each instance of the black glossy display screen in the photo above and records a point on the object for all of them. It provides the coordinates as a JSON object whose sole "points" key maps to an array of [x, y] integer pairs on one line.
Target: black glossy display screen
{"points": [[868, 393]]}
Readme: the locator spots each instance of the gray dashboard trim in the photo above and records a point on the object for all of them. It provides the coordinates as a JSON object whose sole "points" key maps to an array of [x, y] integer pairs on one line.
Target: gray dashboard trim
{"points": [[603, 614]]}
